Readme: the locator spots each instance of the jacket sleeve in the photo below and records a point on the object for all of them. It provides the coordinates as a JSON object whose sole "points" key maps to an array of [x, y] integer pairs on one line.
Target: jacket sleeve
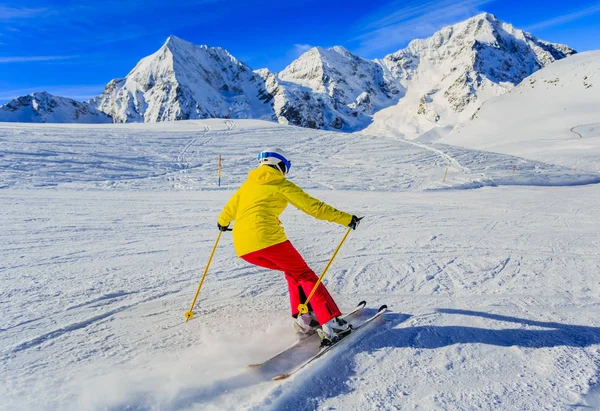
{"points": [[316, 208], [230, 210]]}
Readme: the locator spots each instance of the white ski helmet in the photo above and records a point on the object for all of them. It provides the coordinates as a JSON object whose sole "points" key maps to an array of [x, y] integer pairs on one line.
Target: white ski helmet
{"points": [[275, 157]]}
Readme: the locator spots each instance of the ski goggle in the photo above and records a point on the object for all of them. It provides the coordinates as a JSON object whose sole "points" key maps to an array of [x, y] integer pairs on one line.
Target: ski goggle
{"points": [[266, 154]]}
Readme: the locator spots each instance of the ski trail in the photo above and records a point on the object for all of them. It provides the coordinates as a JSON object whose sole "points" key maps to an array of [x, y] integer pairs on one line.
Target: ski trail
{"points": [[179, 160], [109, 296], [451, 160], [56, 333], [189, 153], [582, 126], [64, 330]]}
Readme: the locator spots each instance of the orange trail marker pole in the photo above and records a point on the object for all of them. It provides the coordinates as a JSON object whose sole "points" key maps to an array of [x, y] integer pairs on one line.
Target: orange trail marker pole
{"points": [[445, 174]]}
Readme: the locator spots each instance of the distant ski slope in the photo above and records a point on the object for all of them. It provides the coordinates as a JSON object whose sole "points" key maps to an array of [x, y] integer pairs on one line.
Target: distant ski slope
{"points": [[552, 116], [183, 156]]}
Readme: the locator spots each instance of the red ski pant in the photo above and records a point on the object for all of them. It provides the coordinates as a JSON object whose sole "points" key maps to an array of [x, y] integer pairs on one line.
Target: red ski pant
{"points": [[300, 278]]}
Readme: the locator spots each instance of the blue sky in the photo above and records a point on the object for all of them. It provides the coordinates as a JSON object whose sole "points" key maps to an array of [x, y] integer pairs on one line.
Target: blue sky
{"points": [[73, 48]]}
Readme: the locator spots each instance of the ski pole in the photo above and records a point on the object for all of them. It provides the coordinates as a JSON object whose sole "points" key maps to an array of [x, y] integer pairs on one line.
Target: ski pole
{"points": [[189, 314], [303, 308]]}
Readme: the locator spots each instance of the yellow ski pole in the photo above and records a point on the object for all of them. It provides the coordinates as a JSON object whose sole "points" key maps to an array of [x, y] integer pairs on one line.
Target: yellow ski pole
{"points": [[303, 308], [189, 314]]}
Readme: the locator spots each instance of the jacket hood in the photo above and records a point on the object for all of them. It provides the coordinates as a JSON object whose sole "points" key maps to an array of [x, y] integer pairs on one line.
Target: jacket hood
{"points": [[265, 175]]}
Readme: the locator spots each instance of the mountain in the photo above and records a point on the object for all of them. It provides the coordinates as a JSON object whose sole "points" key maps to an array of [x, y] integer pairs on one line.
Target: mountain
{"points": [[349, 88], [322, 89], [43, 107], [433, 84], [449, 75], [553, 116], [294, 104], [183, 81]]}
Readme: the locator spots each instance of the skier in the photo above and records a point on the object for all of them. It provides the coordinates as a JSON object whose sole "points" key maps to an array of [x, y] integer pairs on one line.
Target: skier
{"points": [[259, 238]]}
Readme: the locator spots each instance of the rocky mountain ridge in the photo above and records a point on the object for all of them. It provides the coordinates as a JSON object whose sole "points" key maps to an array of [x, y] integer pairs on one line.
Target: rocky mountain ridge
{"points": [[43, 107]]}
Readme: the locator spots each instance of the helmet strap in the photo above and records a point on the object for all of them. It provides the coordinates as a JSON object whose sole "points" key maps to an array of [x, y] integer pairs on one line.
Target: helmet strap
{"points": [[279, 167]]}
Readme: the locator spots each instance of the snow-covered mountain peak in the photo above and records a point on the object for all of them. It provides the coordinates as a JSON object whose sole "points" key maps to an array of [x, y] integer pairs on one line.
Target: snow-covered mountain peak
{"points": [[317, 60], [43, 107], [344, 77], [342, 50], [450, 74], [185, 81], [182, 50], [174, 41], [481, 20]]}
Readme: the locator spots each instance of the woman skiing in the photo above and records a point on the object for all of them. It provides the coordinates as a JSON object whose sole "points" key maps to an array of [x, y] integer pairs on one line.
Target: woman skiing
{"points": [[259, 238]]}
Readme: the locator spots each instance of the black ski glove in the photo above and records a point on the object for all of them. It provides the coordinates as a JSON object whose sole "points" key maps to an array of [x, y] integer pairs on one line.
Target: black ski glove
{"points": [[224, 228], [355, 221]]}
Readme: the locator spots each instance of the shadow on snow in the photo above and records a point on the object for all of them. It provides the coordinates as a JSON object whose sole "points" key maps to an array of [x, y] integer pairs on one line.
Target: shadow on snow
{"points": [[330, 378]]}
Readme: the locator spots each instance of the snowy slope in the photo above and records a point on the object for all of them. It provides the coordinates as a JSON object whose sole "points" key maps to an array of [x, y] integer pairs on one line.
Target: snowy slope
{"points": [[182, 156], [449, 75], [494, 298], [107, 228], [43, 107], [552, 116], [184, 81]]}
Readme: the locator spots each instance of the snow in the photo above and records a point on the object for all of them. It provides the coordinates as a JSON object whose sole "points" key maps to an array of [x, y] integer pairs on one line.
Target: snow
{"points": [[351, 87], [185, 81], [45, 108], [553, 116], [493, 291], [451, 74], [183, 155]]}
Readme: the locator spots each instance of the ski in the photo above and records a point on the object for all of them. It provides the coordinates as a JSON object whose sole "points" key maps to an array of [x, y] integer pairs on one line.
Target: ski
{"points": [[325, 349], [306, 339]]}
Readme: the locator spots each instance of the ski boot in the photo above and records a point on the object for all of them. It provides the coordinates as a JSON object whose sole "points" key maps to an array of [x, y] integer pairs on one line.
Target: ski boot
{"points": [[306, 324], [334, 330]]}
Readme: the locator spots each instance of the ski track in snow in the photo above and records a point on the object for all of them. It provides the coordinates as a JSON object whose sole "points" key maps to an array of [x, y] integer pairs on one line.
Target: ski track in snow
{"points": [[106, 230]]}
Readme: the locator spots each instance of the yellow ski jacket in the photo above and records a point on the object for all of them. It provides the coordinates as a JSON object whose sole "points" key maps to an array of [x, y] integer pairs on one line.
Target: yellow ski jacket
{"points": [[258, 203]]}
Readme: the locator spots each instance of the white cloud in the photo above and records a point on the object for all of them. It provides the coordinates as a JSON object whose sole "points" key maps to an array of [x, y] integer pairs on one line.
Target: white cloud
{"points": [[12, 13], [399, 22], [300, 49], [81, 92], [77, 22], [566, 18], [25, 59]]}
